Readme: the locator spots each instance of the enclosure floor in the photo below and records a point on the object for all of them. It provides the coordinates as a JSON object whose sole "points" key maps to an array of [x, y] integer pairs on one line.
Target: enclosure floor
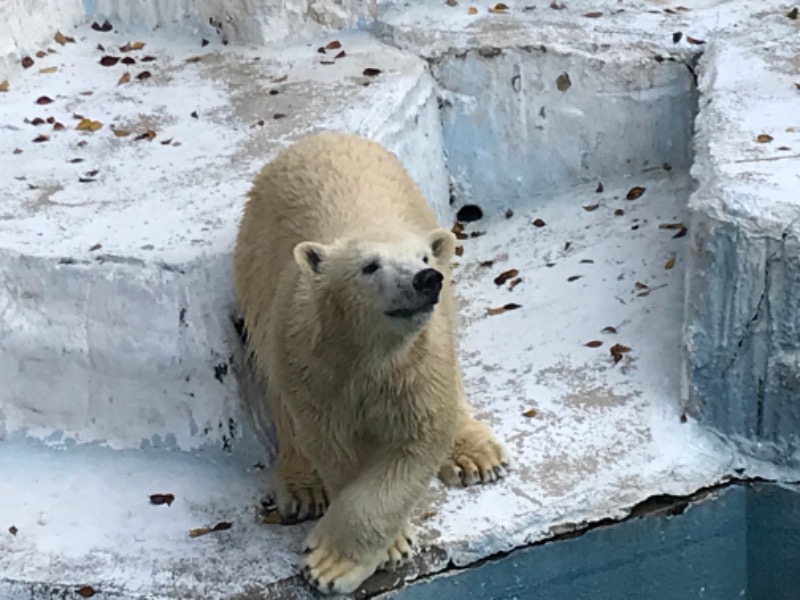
{"points": [[590, 437]]}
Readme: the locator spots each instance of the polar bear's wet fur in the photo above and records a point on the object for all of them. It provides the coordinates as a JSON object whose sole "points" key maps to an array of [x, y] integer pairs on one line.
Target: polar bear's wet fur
{"points": [[343, 279]]}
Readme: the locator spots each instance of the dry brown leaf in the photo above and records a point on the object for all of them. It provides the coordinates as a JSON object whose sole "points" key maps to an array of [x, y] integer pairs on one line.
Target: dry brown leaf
{"points": [[86, 591], [48, 70], [509, 213], [4, 85], [593, 344], [574, 278], [147, 59], [617, 350], [459, 250], [451, 2], [60, 38], [106, 26], [51, 120], [499, 8], [371, 72], [193, 59], [126, 77], [41, 54], [277, 116], [593, 15], [555, 5], [37, 121], [58, 126], [563, 82], [95, 247], [500, 310], [670, 225], [137, 45], [341, 54], [669, 264], [530, 413], [458, 231], [147, 135], [694, 41], [272, 518], [144, 75], [640, 286], [27, 62], [159, 499], [538, 223], [681, 232], [793, 14], [121, 132], [43, 100], [88, 125], [109, 61], [609, 329], [764, 138], [128, 60], [505, 276], [591, 207], [514, 283], [635, 192], [280, 79], [334, 45], [17, 151], [472, 10], [797, 85], [193, 533], [486, 263], [41, 138], [13, 530], [599, 188]]}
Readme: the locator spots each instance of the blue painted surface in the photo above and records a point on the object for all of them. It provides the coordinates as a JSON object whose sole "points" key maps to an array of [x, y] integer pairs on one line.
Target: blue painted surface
{"points": [[743, 542]]}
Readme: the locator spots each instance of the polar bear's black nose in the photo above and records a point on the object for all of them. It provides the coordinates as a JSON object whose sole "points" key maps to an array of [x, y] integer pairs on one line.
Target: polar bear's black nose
{"points": [[428, 282]]}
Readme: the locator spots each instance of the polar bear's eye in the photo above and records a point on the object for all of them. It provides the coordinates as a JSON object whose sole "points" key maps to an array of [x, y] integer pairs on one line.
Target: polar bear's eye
{"points": [[371, 267], [425, 259]]}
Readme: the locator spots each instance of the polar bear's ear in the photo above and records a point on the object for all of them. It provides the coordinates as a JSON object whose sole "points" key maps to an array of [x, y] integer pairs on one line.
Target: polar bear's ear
{"points": [[309, 256], [443, 243]]}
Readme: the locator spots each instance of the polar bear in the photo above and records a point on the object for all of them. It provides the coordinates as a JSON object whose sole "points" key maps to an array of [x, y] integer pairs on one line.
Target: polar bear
{"points": [[343, 280]]}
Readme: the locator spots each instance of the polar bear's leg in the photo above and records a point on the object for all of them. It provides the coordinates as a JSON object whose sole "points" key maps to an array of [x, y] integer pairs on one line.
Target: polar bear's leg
{"points": [[360, 531], [299, 491], [477, 456]]}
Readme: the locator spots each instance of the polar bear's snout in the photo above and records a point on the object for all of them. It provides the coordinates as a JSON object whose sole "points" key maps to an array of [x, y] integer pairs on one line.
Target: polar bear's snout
{"points": [[428, 283]]}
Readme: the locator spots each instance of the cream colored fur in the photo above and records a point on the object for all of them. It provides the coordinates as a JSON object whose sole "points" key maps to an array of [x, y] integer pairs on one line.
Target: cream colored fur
{"points": [[366, 410]]}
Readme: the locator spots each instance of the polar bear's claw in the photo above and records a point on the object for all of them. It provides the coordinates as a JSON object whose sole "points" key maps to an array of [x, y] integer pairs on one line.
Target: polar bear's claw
{"points": [[301, 501], [477, 457], [401, 550], [329, 571]]}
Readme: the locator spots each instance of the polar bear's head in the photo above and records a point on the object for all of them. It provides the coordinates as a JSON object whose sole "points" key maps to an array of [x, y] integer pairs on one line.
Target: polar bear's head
{"points": [[391, 284]]}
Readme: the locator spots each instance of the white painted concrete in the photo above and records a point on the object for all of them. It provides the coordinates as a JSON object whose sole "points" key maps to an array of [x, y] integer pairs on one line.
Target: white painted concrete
{"points": [[95, 353]]}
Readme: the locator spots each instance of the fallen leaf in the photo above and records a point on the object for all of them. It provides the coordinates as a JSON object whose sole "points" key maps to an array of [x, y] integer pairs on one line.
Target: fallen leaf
{"points": [[259, 123], [222, 526], [670, 225], [95, 247], [555, 5], [563, 82], [41, 138], [683, 418], [198, 532], [472, 10], [280, 79], [126, 77], [194, 115], [587, 261], [372, 72], [147, 135], [514, 283], [499, 8], [85, 180], [505, 276], [128, 60], [17, 151], [591, 207], [599, 187], [41, 54], [567, 246], [783, 148], [681, 232], [86, 591], [101, 47], [27, 62], [451, 2], [486, 263], [669, 264], [640, 286], [593, 15], [509, 213], [797, 85], [51, 120], [76, 161], [574, 278], [635, 192], [502, 309], [477, 234], [321, 50], [86, 93], [538, 223], [109, 61], [13, 530], [57, 126], [166, 142], [137, 45], [63, 39], [147, 59], [327, 62], [176, 144], [676, 37], [694, 41], [272, 518], [617, 350], [619, 212], [793, 14], [4, 85], [459, 251], [106, 26], [277, 116], [763, 138], [341, 54], [193, 59], [88, 125], [333, 45], [121, 132], [43, 100], [159, 499], [82, 143], [48, 70], [593, 344], [144, 75], [609, 329], [530, 413], [458, 231], [204, 42]]}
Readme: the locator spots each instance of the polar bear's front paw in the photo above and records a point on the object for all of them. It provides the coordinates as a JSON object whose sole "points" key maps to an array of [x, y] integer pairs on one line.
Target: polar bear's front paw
{"points": [[477, 457], [331, 572], [300, 498], [401, 551]]}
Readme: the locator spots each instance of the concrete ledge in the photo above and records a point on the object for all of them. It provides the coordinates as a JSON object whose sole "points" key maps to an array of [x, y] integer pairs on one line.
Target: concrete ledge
{"points": [[743, 297]]}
